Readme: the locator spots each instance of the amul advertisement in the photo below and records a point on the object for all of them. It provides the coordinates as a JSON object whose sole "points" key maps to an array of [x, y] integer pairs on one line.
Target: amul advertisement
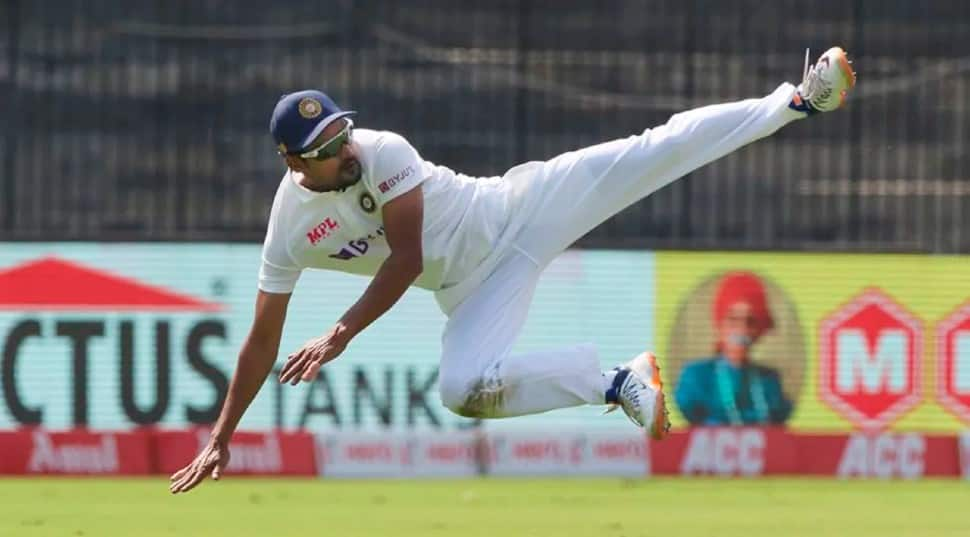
{"points": [[119, 336], [816, 341]]}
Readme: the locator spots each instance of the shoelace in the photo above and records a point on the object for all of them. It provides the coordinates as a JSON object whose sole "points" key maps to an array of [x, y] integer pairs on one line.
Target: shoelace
{"points": [[814, 87], [634, 396], [629, 400]]}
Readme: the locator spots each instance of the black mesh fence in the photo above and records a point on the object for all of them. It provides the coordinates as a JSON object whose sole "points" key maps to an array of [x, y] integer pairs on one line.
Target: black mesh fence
{"points": [[148, 120]]}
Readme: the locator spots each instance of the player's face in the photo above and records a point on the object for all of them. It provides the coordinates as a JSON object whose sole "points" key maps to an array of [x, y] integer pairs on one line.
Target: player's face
{"points": [[330, 162]]}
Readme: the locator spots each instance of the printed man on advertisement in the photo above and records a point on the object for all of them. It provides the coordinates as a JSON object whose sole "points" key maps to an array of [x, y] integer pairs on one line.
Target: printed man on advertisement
{"points": [[364, 201], [728, 388]]}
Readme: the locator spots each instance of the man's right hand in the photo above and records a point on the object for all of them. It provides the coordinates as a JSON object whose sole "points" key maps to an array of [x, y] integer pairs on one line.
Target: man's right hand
{"points": [[211, 461]]}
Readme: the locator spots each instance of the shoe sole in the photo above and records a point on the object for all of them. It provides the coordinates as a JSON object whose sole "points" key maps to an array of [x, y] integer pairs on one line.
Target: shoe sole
{"points": [[659, 427], [848, 76]]}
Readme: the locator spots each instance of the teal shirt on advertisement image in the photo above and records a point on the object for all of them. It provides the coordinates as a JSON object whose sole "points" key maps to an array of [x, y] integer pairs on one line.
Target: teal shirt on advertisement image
{"points": [[714, 392]]}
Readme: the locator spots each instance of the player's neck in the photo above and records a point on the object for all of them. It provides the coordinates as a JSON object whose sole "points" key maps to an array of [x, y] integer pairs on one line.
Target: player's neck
{"points": [[309, 183]]}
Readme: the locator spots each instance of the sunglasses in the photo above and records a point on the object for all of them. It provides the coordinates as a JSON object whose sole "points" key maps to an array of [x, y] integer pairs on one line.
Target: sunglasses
{"points": [[331, 148]]}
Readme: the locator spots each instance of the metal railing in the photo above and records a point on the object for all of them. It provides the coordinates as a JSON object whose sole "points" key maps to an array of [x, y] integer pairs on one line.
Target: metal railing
{"points": [[148, 120]]}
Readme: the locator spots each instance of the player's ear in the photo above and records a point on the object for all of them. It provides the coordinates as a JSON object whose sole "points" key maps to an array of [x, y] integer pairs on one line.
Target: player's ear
{"points": [[295, 163]]}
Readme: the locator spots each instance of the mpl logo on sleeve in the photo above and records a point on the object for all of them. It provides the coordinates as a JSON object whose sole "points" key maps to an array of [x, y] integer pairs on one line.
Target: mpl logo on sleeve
{"points": [[870, 352], [322, 230]]}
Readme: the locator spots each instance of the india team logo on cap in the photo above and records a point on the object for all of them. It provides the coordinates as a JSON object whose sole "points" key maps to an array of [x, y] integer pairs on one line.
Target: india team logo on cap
{"points": [[367, 202], [310, 108]]}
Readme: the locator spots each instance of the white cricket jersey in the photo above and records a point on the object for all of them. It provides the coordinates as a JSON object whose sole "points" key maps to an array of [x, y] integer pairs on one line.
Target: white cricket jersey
{"points": [[465, 219]]}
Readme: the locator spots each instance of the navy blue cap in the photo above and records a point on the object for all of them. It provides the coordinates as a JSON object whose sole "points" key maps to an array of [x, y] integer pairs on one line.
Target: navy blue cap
{"points": [[300, 117]]}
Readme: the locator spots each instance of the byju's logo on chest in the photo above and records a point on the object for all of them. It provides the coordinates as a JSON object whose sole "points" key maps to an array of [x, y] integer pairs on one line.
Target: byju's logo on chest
{"points": [[322, 230]]}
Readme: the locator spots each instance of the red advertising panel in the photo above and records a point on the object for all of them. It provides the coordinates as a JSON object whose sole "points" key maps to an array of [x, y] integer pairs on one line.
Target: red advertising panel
{"points": [[889, 455], [251, 453], [35, 451], [724, 451], [720, 451], [752, 452]]}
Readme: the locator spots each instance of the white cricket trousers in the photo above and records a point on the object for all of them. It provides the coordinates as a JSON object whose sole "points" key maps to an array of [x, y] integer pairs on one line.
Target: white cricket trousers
{"points": [[479, 376]]}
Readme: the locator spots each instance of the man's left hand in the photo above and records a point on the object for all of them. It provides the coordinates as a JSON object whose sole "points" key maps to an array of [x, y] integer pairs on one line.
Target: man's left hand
{"points": [[306, 362]]}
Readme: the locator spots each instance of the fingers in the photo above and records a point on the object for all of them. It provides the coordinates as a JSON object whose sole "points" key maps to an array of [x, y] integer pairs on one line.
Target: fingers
{"points": [[221, 463], [294, 367], [187, 478], [303, 365], [287, 370], [179, 474], [191, 481], [184, 476], [311, 371], [210, 463], [196, 473]]}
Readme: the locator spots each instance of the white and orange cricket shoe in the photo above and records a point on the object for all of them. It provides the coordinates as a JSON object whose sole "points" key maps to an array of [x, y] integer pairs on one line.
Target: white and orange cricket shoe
{"points": [[638, 390], [826, 84]]}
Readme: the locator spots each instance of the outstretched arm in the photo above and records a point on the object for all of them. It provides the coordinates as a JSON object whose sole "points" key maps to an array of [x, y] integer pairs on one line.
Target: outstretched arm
{"points": [[403, 217], [255, 362]]}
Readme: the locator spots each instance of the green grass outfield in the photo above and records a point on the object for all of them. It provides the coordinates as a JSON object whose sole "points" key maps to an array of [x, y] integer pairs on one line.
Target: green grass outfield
{"points": [[487, 507]]}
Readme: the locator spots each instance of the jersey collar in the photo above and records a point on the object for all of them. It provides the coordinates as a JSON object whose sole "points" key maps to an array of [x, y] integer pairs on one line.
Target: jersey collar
{"points": [[303, 193]]}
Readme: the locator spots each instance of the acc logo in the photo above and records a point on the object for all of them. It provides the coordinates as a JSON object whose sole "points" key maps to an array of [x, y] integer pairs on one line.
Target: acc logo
{"points": [[310, 108], [367, 202]]}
